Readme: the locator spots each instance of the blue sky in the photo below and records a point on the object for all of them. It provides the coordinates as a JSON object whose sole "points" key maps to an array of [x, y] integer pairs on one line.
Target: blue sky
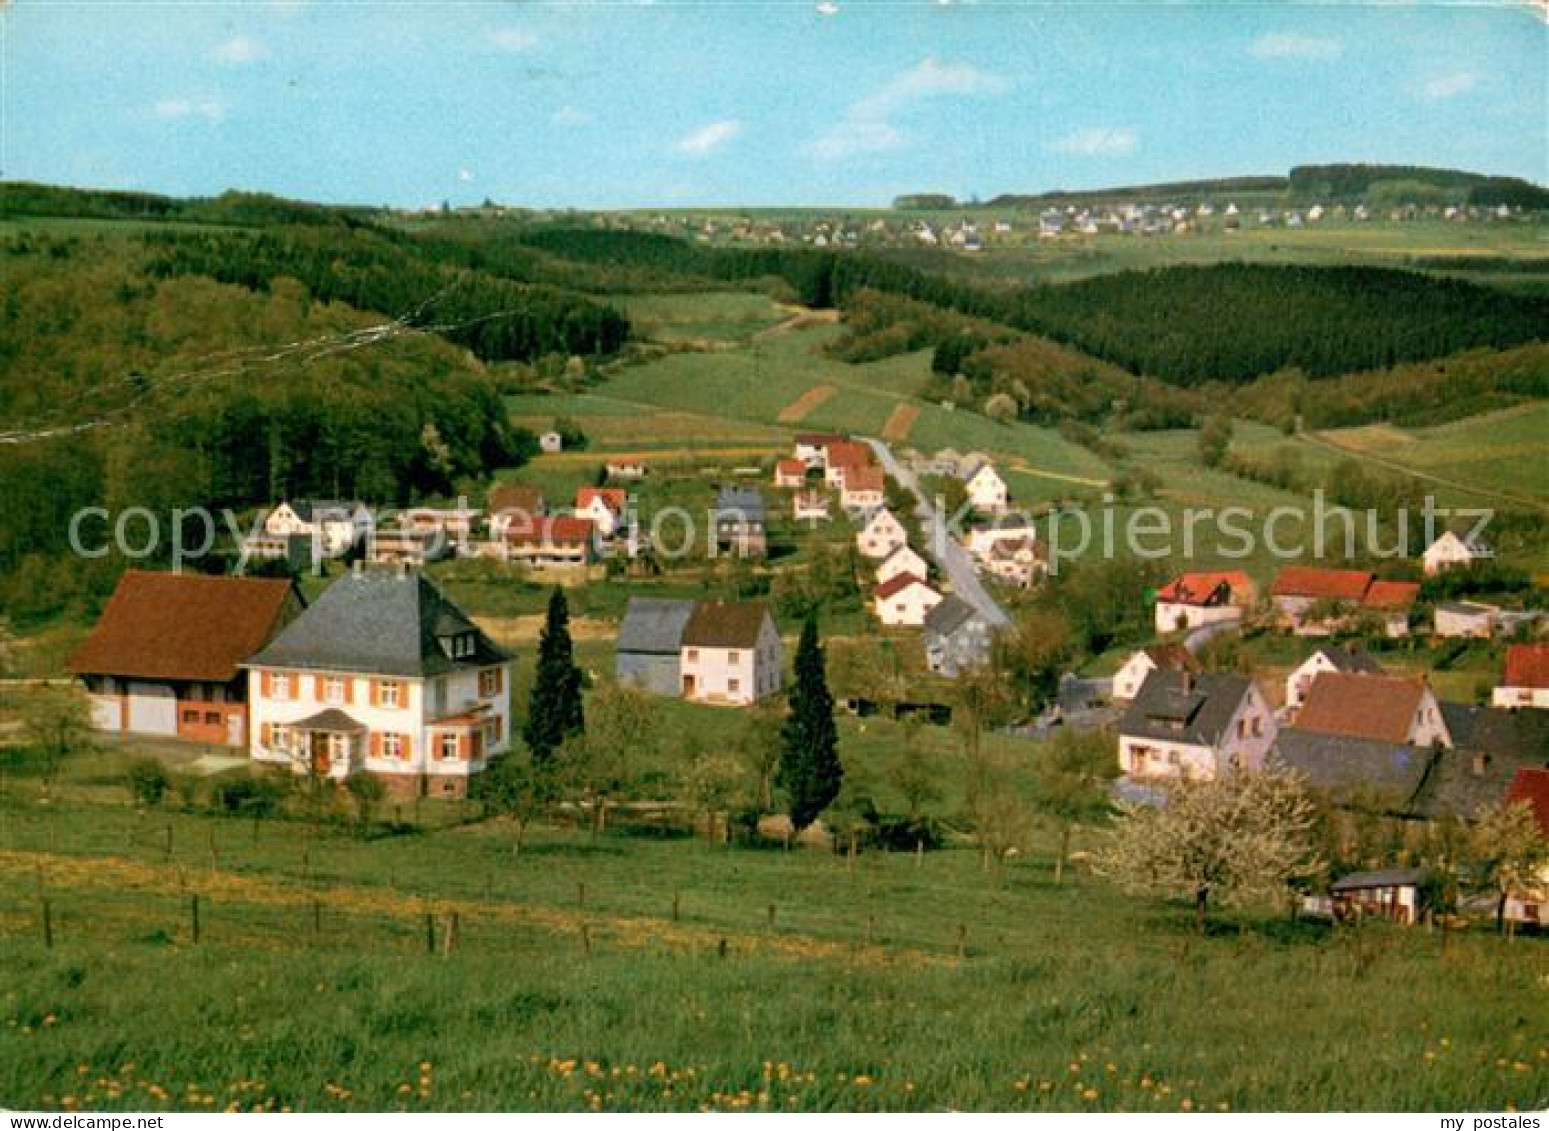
{"points": [[635, 104]]}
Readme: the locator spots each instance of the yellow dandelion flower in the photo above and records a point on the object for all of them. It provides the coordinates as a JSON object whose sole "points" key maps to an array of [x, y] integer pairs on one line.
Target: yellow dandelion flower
{"points": [[1187, 1104], [404, 1089], [1089, 1094]]}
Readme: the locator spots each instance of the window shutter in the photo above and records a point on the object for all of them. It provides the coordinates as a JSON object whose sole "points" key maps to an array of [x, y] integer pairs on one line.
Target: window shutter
{"points": [[376, 744], [464, 745], [266, 684], [374, 690], [266, 732], [408, 747], [349, 690]]}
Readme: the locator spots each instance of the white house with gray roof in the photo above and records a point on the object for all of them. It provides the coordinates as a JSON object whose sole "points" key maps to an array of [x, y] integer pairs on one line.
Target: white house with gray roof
{"points": [[384, 675], [1198, 726], [957, 637]]}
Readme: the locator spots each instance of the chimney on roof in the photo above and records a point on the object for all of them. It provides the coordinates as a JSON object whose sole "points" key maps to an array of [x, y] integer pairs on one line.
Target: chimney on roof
{"points": [[1481, 762], [1188, 682]]}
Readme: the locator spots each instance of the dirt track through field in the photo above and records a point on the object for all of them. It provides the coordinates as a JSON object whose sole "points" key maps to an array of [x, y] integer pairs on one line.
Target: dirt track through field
{"points": [[900, 422], [797, 410]]}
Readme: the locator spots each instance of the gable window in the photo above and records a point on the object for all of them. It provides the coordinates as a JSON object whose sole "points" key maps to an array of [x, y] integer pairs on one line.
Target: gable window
{"points": [[734, 657], [693, 655]]}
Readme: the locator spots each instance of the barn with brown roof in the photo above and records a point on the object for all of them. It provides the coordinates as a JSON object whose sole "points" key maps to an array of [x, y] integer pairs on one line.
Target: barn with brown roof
{"points": [[1384, 708], [163, 658]]}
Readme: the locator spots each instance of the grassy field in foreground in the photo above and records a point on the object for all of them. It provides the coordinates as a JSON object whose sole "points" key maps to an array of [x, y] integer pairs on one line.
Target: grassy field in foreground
{"points": [[311, 988]]}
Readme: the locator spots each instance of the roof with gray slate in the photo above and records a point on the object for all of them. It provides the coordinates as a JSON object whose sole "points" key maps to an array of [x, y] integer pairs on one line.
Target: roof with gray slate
{"points": [[1348, 660], [1490, 745], [1355, 769], [653, 626], [380, 622], [1179, 707], [951, 614], [1387, 878], [747, 503], [333, 509]]}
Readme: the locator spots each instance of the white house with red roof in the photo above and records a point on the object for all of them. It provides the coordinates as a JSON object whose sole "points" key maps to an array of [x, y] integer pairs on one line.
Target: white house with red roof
{"points": [[1525, 682], [550, 542], [790, 473], [864, 489], [1194, 599], [1382, 708], [905, 600], [604, 506], [902, 560], [1312, 601]]}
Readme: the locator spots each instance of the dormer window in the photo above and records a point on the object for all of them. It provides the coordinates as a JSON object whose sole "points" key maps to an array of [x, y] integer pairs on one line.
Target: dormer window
{"points": [[459, 645]]}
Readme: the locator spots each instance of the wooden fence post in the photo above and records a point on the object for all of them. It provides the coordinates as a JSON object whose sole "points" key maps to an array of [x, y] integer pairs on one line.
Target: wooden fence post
{"points": [[580, 894], [449, 940], [430, 932], [586, 939], [193, 915], [676, 906], [962, 940], [169, 841], [871, 927], [771, 916], [48, 926]]}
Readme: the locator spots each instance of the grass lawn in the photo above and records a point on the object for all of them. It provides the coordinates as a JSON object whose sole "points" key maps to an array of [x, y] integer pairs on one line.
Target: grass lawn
{"points": [[573, 985]]}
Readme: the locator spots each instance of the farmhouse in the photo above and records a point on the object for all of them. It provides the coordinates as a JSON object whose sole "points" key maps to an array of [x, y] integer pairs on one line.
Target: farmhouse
{"points": [[811, 447], [604, 506], [164, 659], [626, 470], [1186, 725], [329, 527], [979, 539], [405, 547], [550, 442], [1159, 657], [650, 644], [881, 535], [1371, 774], [1525, 682], [863, 489], [902, 560], [957, 637], [1325, 660], [740, 523], [840, 457], [731, 654], [1385, 708], [513, 504], [1453, 550], [1317, 602], [986, 489], [1490, 744], [790, 473], [904, 600], [384, 675], [1464, 618], [551, 542], [1194, 599], [1016, 562], [1398, 894]]}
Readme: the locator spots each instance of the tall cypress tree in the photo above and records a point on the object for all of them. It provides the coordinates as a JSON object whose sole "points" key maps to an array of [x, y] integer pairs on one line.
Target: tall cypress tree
{"points": [[809, 772], [555, 713]]}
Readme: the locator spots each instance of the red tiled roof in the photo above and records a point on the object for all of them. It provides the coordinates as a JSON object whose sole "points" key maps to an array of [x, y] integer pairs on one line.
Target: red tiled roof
{"points": [[846, 453], [1527, 665], [559, 530], [897, 584], [1532, 786], [182, 626], [1361, 705], [614, 498], [1392, 594], [1323, 584], [1197, 588], [863, 479], [818, 439], [791, 467]]}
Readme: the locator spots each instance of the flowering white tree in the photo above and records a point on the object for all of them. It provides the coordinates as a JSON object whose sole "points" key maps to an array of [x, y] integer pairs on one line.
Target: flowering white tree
{"points": [[1240, 837]]}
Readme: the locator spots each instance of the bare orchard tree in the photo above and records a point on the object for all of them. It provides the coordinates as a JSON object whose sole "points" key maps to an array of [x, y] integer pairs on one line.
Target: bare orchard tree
{"points": [[622, 732], [1240, 837]]}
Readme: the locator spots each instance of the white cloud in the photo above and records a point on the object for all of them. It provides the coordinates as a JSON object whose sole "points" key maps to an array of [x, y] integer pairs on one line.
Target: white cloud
{"points": [[465, 175], [572, 116], [708, 138], [172, 109], [1449, 86], [1289, 45], [866, 126], [513, 39], [239, 49], [1100, 141]]}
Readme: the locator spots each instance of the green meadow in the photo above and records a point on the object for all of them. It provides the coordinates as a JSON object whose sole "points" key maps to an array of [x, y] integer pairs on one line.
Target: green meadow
{"points": [[646, 969]]}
